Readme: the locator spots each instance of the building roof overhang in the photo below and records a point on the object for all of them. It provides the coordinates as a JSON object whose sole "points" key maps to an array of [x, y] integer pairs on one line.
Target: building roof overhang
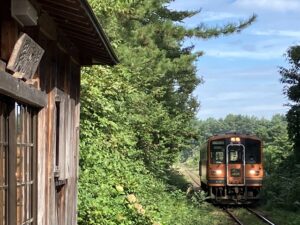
{"points": [[80, 25]]}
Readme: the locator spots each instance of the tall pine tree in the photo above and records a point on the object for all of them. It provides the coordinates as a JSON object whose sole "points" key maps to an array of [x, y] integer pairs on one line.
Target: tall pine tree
{"points": [[291, 78], [149, 37]]}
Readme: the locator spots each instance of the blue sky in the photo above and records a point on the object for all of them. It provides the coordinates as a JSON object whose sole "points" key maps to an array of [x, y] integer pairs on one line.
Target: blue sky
{"points": [[241, 70]]}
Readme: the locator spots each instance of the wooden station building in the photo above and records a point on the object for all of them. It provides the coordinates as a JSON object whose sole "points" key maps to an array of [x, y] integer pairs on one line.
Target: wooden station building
{"points": [[43, 44]]}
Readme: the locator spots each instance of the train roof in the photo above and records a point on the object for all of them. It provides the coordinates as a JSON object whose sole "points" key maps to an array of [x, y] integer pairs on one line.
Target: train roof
{"points": [[233, 134]]}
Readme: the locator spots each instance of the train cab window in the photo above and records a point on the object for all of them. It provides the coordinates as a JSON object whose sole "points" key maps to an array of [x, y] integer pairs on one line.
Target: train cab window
{"points": [[217, 152], [235, 154], [253, 150]]}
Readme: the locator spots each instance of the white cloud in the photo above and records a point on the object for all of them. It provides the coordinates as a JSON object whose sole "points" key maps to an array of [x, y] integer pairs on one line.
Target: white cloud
{"points": [[264, 108], [216, 16], [274, 54], [284, 33], [272, 5], [237, 95]]}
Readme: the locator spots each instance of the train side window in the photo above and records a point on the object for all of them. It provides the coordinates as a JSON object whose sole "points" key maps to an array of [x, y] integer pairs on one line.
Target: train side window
{"points": [[253, 151]]}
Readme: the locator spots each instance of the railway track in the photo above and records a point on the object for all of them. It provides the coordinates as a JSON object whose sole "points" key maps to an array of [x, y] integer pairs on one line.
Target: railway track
{"points": [[233, 216], [190, 174], [238, 221], [193, 177], [260, 216]]}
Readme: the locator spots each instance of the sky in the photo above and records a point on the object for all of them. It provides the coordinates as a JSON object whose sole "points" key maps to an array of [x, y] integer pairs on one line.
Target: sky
{"points": [[240, 71]]}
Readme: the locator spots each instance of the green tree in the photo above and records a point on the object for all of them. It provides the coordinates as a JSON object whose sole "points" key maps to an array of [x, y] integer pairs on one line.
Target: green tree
{"points": [[149, 41], [137, 116], [291, 78]]}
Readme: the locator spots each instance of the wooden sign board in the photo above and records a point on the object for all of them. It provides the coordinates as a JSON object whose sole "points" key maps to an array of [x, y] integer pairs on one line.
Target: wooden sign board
{"points": [[25, 57]]}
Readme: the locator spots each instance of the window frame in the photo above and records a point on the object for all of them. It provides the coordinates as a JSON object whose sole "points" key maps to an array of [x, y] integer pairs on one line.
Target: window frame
{"points": [[212, 152], [11, 203], [238, 150], [254, 149], [4, 186]]}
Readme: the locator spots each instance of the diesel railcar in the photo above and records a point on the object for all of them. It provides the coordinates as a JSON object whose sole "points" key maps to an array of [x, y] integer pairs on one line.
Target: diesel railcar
{"points": [[231, 168]]}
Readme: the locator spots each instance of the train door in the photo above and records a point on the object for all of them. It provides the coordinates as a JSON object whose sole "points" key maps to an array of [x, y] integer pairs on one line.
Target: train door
{"points": [[235, 164]]}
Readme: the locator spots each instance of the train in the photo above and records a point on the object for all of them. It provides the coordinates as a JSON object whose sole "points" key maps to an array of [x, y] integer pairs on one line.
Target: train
{"points": [[231, 168]]}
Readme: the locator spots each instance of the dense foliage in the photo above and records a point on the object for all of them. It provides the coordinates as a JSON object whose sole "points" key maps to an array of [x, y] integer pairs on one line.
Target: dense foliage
{"points": [[291, 78], [115, 185], [283, 186], [136, 117]]}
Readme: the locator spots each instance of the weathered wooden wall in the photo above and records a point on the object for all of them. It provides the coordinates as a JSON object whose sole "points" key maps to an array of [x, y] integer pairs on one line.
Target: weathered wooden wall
{"points": [[60, 78], [58, 75]]}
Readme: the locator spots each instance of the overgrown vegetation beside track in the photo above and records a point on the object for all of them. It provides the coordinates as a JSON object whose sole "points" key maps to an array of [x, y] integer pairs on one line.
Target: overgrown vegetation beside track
{"points": [[282, 187], [136, 117]]}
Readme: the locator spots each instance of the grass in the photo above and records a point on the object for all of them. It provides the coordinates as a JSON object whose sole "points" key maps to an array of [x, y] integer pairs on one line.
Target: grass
{"points": [[214, 215], [247, 217], [281, 216]]}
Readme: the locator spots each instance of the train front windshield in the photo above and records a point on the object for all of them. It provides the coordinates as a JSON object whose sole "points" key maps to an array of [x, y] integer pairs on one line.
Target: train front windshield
{"points": [[252, 150], [217, 152], [235, 154]]}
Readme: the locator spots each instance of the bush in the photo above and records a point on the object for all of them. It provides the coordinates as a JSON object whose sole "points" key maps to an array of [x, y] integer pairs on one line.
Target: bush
{"points": [[282, 187]]}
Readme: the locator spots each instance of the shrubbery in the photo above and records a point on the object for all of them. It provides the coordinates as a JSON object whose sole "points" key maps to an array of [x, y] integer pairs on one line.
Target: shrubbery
{"points": [[281, 187], [115, 185], [136, 117]]}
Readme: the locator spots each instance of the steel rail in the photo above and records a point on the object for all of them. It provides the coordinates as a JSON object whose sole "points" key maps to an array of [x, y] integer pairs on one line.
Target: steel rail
{"points": [[260, 216], [193, 179], [233, 216]]}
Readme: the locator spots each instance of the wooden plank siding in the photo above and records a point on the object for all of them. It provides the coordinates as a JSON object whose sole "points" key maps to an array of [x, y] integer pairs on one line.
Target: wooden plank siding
{"points": [[62, 84], [71, 37], [59, 75]]}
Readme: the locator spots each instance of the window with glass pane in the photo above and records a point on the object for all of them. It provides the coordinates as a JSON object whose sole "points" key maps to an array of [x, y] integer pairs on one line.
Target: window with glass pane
{"points": [[235, 154], [217, 151], [24, 168], [3, 163], [17, 163], [253, 151]]}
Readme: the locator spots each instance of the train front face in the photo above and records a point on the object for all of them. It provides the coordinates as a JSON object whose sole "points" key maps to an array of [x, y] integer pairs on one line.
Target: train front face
{"points": [[235, 169]]}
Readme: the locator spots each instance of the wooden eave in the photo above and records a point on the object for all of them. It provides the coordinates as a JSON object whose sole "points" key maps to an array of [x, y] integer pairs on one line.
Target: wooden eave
{"points": [[77, 20]]}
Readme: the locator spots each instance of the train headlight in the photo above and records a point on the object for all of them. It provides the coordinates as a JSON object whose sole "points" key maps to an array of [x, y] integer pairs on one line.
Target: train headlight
{"points": [[252, 172], [235, 139], [218, 172]]}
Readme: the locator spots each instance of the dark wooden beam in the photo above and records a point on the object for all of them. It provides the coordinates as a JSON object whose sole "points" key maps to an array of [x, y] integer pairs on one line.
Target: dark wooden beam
{"points": [[12, 155], [68, 20], [70, 6], [80, 29], [47, 26], [21, 91]]}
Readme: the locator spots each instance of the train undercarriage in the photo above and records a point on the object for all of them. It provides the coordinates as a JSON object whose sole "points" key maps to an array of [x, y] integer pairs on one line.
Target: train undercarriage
{"points": [[233, 194]]}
